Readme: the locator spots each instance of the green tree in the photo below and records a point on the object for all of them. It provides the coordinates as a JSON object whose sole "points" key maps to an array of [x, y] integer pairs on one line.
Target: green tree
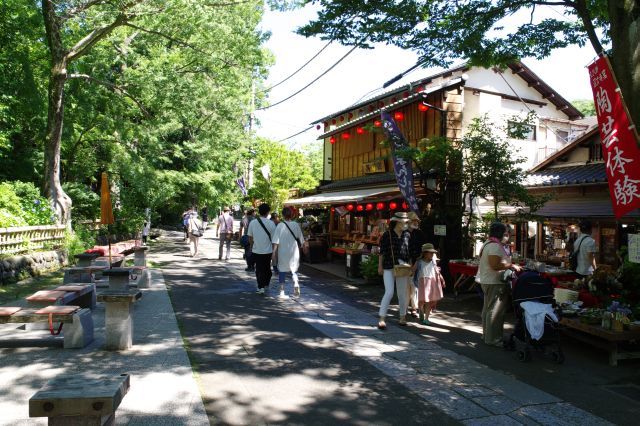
{"points": [[289, 170], [585, 106], [443, 30]]}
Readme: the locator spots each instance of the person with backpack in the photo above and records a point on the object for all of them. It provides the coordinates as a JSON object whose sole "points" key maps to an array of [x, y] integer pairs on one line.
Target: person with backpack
{"points": [[195, 229], [495, 258], [260, 232], [287, 242], [583, 258]]}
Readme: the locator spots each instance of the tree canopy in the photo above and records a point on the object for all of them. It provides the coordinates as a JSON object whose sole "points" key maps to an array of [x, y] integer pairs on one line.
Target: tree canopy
{"points": [[444, 30]]}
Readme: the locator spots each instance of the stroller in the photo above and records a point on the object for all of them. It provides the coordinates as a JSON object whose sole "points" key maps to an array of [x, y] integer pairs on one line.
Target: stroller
{"points": [[530, 286]]}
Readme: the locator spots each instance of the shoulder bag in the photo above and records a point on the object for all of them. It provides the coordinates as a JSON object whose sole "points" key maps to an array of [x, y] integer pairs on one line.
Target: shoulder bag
{"points": [[265, 228], [399, 271], [196, 230], [573, 257]]}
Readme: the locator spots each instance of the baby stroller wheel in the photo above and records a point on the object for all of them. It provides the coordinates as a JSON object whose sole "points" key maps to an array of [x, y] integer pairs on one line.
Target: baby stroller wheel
{"points": [[557, 356], [524, 355]]}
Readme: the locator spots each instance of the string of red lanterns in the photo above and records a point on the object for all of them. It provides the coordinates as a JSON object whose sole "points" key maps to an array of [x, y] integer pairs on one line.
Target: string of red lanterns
{"points": [[370, 206]]}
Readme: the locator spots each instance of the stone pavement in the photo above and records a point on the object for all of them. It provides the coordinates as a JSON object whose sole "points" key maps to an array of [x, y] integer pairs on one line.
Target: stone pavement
{"points": [[245, 348], [163, 388]]}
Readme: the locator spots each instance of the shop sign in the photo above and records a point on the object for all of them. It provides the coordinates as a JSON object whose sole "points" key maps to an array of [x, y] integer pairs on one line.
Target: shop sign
{"points": [[440, 230], [375, 166], [634, 248], [403, 168], [618, 137]]}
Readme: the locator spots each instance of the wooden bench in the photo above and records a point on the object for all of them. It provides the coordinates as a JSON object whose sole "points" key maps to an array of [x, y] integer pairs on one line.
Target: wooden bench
{"points": [[119, 317], [80, 400], [80, 294], [611, 341], [78, 331]]}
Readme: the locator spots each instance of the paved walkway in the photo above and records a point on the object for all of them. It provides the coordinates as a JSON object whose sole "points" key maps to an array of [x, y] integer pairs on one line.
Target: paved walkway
{"points": [[262, 360]]}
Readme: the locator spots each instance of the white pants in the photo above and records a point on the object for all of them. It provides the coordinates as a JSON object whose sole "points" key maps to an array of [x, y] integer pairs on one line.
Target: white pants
{"points": [[401, 288]]}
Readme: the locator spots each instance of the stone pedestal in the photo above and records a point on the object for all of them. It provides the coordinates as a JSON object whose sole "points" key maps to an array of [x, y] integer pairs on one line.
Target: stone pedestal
{"points": [[72, 400], [118, 278], [119, 318], [78, 333], [85, 259], [140, 255]]}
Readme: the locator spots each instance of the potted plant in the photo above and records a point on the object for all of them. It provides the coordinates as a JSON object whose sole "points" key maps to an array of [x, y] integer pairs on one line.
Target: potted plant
{"points": [[369, 269]]}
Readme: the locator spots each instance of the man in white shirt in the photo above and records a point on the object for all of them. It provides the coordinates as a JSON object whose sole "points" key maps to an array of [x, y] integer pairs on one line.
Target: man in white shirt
{"points": [[286, 242], [225, 231], [586, 248], [260, 232]]}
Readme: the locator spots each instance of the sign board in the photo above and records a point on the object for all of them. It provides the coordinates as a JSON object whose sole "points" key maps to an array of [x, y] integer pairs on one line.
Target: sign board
{"points": [[634, 248], [375, 166], [618, 138], [440, 230]]}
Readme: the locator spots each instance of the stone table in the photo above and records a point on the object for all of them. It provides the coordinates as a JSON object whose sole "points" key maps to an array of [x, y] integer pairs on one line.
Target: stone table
{"points": [[119, 317]]}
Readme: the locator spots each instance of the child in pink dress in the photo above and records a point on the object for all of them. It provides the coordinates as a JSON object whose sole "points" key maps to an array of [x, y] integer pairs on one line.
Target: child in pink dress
{"points": [[430, 282]]}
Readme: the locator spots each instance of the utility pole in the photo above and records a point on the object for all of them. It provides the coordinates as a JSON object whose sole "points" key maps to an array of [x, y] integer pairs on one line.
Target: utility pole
{"points": [[251, 120]]}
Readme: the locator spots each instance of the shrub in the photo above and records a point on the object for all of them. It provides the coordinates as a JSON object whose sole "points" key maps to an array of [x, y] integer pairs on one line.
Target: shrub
{"points": [[23, 200], [8, 219]]}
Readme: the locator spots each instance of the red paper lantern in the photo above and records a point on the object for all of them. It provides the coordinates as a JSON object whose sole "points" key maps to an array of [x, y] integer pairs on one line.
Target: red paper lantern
{"points": [[405, 206], [381, 104], [419, 89], [380, 206], [350, 115], [398, 116], [326, 124], [332, 139], [405, 95], [369, 206], [333, 121], [359, 130], [377, 123], [333, 209], [371, 108], [423, 108], [346, 136], [360, 207], [394, 99], [350, 207], [342, 118], [317, 127], [393, 205]]}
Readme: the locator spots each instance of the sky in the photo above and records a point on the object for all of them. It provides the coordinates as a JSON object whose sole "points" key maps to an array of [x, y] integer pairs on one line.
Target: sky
{"points": [[364, 71]]}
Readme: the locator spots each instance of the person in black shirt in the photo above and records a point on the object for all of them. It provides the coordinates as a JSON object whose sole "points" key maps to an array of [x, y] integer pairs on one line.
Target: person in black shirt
{"points": [[395, 247]]}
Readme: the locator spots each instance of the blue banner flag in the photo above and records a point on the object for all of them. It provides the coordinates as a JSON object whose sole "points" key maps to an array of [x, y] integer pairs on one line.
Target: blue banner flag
{"points": [[402, 167], [243, 188]]}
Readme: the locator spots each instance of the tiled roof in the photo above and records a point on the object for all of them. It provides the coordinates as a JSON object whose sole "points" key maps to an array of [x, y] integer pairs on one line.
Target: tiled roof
{"points": [[374, 179], [574, 175], [577, 208]]}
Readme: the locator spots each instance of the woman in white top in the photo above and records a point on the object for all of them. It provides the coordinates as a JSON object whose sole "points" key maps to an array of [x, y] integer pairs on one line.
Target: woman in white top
{"points": [[287, 241], [194, 227], [495, 258]]}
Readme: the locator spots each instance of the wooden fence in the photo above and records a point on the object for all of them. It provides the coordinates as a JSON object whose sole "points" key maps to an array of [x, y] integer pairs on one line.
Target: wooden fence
{"points": [[22, 239]]}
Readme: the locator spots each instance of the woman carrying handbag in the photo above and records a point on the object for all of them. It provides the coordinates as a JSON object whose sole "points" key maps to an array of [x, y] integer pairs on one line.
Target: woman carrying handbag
{"points": [[394, 266]]}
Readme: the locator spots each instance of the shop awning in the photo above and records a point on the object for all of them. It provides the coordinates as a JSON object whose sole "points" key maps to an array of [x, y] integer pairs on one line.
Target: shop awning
{"points": [[341, 196], [580, 208]]}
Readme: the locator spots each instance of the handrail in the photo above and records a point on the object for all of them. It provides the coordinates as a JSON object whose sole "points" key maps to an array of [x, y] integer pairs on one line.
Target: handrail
{"points": [[21, 239]]}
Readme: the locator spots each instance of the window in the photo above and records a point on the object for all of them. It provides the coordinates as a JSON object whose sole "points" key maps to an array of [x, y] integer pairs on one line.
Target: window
{"points": [[521, 131], [563, 136]]}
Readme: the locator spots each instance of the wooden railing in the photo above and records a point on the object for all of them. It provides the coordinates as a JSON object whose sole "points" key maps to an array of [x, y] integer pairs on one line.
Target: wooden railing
{"points": [[22, 239]]}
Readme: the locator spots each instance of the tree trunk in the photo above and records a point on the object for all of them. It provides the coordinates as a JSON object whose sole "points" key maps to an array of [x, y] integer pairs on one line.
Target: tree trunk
{"points": [[60, 202], [625, 58]]}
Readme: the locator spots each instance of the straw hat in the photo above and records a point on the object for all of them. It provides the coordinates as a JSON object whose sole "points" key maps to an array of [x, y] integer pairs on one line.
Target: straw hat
{"points": [[400, 217], [428, 247], [413, 216]]}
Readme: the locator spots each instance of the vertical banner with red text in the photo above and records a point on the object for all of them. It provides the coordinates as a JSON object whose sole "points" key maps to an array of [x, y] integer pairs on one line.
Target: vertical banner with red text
{"points": [[618, 137]]}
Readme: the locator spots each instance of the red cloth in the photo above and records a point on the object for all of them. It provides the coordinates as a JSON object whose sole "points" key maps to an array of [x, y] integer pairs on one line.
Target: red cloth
{"points": [[588, 300], [462, 268]]}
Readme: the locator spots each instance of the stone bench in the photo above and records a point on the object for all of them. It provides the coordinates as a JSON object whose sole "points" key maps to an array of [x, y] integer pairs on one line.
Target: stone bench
{"points": [[72, 400], [80, 294], [140, 255], [86, 259], [83, 274], [78, 322], [119, 317]]}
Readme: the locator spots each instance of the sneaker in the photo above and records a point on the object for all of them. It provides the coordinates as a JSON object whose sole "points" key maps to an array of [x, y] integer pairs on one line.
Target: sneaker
{"points": [[282, 295], [260, 291], [426, 322], [296, 291]]}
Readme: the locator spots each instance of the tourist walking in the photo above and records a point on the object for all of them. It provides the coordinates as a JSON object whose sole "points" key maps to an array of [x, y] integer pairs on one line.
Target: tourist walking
{"points": [[146, 227], [185, 223], [394, 264], [430, 282], [417, 240], [260, 234], [244, 239], [495, 258], [195, 229], [287, 241], [204, 214], [225, 231], [585, 248]]}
